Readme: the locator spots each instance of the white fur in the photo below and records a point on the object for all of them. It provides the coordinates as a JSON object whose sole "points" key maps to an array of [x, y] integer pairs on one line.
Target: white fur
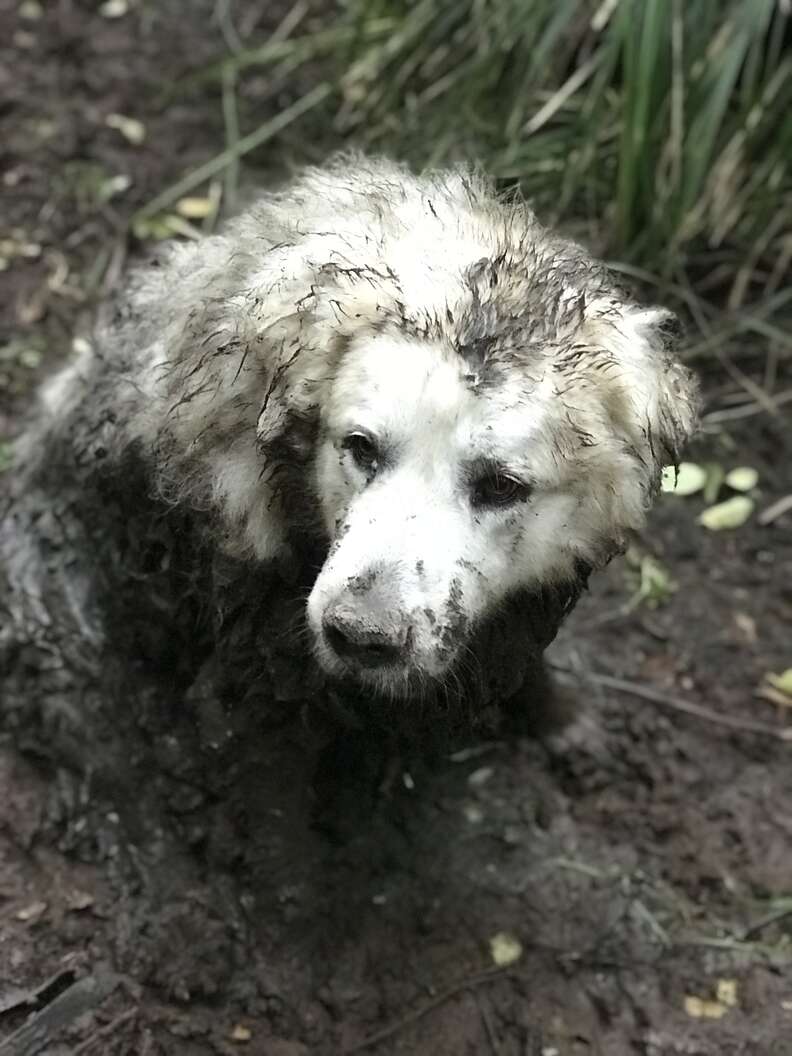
{"points": [[339, 300]]}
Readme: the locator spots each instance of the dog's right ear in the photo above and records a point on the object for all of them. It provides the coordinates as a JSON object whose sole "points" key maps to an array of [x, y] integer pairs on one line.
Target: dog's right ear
{"points": [[224, 379]]}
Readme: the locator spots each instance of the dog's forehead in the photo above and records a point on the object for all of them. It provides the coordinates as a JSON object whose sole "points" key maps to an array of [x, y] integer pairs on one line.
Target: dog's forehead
{"points": [[395, 370], [417, 387]]}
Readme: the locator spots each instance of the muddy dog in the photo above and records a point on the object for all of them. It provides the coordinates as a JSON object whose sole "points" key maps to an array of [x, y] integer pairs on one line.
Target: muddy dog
{"points": [[389, 418]]}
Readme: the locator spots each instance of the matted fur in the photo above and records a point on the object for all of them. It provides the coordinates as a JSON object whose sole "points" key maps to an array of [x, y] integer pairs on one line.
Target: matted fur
{"points": [[434, 314]]}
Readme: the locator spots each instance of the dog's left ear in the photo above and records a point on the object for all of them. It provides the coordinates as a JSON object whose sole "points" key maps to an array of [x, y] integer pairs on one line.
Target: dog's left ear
{"points": [[655, 398], [673, 394]]}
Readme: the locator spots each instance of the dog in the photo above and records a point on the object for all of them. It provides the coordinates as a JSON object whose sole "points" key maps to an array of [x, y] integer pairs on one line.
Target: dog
{"points": [[456, 412]]}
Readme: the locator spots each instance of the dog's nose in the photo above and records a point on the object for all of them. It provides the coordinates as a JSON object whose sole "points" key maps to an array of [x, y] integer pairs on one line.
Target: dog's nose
{"points": [[365, 636]]}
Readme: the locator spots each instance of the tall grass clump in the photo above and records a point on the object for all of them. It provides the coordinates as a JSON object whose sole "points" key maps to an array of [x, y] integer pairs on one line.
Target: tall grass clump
{"points": [[667, 123], [661, 129]]}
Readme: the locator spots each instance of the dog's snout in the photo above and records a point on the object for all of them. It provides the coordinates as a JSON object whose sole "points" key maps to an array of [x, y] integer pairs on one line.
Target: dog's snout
{"points": [[365, 636]]}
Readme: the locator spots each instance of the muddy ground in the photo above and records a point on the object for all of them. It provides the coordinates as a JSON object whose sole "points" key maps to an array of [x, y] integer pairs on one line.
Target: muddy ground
{"points": [[642, 860]]}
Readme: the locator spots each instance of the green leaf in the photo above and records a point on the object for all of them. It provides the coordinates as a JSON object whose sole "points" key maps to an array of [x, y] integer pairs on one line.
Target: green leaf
{"points": [[505, 949], [732, 513], [782, 682], [687, 480], [743, 478], [649, 580]]}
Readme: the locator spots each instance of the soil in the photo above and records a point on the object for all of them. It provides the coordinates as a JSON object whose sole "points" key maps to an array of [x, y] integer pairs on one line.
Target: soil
{"points": [[641, 857]]}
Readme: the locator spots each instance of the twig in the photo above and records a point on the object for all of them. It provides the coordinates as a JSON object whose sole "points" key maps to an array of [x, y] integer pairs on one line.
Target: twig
{"points": [[412, 1017], [243, 146], [488, 1027], [746, 410], [774, 511], [104, 1032], [765, 922], [669, 700]]}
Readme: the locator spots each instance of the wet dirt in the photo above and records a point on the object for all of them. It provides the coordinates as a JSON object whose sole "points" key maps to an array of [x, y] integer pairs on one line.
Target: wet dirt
{"points": [[641, 858]]}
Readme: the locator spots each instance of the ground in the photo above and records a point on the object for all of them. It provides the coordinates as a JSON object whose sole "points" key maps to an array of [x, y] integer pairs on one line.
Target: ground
{"points": [[642, 859]]}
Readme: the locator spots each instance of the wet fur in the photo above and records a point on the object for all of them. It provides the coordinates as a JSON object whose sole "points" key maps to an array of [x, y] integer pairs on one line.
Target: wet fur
{"points": [[225, 361]]}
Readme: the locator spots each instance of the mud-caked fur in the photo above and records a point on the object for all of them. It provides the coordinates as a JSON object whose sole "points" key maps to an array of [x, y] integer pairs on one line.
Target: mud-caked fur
{"points": [[459, 411]]}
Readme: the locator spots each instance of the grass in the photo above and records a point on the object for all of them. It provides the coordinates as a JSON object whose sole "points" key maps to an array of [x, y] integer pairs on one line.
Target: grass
{"points": [[666, 124], [660, 131]]}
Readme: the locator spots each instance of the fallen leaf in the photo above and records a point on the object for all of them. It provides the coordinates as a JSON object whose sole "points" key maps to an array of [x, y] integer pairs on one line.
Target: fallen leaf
{"points": [[131, 129], [240, 1033], [698, 1008], [80, 900], [113, 186], [744, 478], [782, 682], [747, 625], [81, 346], [774, 696], [473, 814], [162, 226], [732, 513], [687, 480], [30, 358], [505, 949], [480, 777], [195, 208], [30, 914], [31, 10], [655, 585], [726, 992], [114, 8]]}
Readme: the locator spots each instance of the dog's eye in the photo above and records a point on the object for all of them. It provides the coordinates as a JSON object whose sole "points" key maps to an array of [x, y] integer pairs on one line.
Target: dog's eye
{"points": [[363, 449], [499, 489]]}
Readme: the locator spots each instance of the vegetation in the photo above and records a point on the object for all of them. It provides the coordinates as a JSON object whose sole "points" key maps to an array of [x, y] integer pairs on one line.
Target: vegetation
{"points": [[662, 128]]}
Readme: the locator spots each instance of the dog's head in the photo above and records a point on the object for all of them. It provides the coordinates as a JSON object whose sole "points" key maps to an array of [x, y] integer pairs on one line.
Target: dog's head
{"points": [[466, 405], [449, 481]]}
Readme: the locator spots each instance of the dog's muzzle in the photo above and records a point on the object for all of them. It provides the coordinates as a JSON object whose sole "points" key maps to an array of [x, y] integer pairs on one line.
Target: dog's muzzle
{"points": [[366, 632]]}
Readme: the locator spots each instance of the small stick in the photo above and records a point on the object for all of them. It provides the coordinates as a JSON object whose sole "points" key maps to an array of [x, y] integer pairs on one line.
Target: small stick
{"points": [[242, 146], [105, 1031], [778, 509], [430, 1006], [746, 410], [669, 700], [764, 922], [488, 1027]]}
